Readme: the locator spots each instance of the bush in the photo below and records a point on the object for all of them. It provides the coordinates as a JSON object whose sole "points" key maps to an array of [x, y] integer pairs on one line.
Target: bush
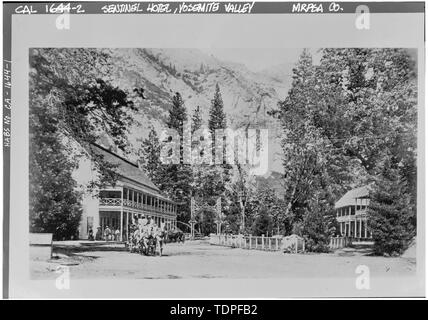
{"points": [[315, 231], [317, 226], [263, 223], [207, 222]]}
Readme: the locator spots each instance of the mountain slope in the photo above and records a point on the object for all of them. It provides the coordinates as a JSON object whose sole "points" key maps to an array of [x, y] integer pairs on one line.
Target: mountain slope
{"points": [[247, 95]]}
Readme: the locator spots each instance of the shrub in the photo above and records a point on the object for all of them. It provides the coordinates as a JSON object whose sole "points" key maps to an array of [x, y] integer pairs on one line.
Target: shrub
{"points": [[263, 223], [315, 231]]}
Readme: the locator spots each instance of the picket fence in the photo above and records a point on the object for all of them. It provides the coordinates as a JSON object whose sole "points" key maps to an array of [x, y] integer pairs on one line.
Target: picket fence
{"points": [[247, 242], [292, 243]]}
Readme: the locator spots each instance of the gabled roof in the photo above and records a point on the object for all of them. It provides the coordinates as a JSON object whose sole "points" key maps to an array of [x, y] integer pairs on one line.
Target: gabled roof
{"points": [[349, 198], [125, 168]]}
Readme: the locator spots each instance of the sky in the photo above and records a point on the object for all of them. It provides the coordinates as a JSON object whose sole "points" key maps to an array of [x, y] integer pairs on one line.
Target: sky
{"points": [[256, 59]]}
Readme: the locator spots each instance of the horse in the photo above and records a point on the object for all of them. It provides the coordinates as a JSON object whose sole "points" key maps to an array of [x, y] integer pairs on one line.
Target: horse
{"points": [[150, 246], [147, 241], [175, 235]]}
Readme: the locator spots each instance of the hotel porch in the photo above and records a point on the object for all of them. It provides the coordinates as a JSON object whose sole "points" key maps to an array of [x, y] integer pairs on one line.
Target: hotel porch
{"points": [[119, 207]]}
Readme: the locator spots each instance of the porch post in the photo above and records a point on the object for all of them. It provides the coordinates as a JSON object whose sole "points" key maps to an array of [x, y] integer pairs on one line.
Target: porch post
{"points": [[361, 234], [133, 199], [121, 218], [127, 226], [355, 227], [365, 229]]}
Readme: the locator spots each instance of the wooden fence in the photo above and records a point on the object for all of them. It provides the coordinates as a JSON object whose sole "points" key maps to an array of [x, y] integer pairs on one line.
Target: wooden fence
{"points": [[247, 242], [292, 244]]}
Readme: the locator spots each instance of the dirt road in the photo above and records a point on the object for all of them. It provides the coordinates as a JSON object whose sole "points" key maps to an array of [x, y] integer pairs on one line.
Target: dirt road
{"points": [[198, 259]]}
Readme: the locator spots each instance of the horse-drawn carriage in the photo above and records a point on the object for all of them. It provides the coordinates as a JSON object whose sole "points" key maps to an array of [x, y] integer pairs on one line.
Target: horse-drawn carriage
{"points": [[147, 239]]}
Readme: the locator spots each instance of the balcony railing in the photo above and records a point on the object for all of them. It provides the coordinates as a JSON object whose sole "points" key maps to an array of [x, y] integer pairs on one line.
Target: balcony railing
{"points": [[117, 202], [361, 212], [110, 202]]}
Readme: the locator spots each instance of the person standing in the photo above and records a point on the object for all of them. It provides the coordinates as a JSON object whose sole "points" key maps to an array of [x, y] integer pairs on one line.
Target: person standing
{"points": [[117, 235], [107, 233], [98, 235]]}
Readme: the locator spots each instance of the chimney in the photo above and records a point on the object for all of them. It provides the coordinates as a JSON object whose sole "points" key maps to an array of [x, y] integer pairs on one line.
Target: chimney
{"points": [[140, 164]]}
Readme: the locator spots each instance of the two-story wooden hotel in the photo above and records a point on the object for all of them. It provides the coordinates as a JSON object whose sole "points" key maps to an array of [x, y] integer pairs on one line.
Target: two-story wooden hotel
{"points": [[133, 196]]}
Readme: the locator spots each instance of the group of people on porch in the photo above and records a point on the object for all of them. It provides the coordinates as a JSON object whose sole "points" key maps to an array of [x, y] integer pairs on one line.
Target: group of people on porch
{"points": [[114, 234]]}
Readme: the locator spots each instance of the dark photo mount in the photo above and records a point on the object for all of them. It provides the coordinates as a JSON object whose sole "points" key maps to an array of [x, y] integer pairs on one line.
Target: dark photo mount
{"points": [[288, 168]]}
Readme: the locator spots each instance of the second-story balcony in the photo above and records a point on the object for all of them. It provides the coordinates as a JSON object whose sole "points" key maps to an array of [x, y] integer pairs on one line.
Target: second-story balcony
{"points": [[118, 202], [348, 218], [361, 212], [110, 202]]}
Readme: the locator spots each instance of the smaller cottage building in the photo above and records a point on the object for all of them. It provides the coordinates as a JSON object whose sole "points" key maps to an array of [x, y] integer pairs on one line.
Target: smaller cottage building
{"points": [[351, 213]]}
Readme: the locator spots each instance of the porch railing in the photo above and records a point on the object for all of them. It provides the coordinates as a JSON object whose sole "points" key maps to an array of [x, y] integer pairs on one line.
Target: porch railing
{"points": [[339, 242], [114, 202], [117, 202]]}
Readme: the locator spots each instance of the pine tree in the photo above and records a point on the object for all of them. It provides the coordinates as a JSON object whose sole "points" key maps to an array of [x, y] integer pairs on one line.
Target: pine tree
{"points": [[177, 115], [392, 213], [305, 153], [217, 120], [210, 180], [177, 178], [217, 117], [196, 119], [197, 170], [150, 158], [313, 169]]}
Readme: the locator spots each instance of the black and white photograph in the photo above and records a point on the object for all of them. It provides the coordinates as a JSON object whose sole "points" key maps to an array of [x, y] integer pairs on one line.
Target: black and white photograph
{"points": [[166, 164], [143, 159]]}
